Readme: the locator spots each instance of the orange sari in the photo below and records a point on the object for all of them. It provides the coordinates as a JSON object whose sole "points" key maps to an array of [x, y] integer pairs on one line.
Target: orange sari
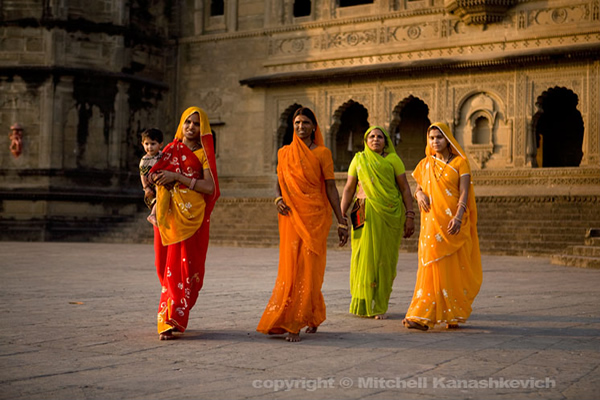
{"points": [[181, 238], [449, 274], [297, 300]]}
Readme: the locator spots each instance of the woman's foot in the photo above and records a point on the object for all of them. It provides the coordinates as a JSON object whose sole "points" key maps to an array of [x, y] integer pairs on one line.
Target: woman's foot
{"points": [[167, 335], [413, 325], [152, 219], [452, 326], [381, 316], [311, 329], [293, 337]]}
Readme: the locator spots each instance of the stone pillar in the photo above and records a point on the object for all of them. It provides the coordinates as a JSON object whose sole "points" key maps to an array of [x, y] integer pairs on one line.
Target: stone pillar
{"points": [[198, 17], [591, 143], [116, 151], [62, 106], [46, 121], [231, 8]]}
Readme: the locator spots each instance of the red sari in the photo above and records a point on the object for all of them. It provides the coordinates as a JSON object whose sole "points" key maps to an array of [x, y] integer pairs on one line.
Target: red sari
{"points": [[181, 238]]}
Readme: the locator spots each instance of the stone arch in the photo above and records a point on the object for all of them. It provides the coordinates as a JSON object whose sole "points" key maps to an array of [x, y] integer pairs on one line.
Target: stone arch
{"points": [[350, 122], [408, 130], [479, 129], [285, 132], [558, 129]]}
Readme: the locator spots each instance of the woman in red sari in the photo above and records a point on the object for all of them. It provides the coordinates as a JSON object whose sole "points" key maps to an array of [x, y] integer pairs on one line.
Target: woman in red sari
{"points": [[187, 189], [306, 192]]}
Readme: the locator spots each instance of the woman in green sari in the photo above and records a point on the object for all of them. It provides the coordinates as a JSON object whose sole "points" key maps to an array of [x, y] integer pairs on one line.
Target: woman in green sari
{"points": [[386, 213]]}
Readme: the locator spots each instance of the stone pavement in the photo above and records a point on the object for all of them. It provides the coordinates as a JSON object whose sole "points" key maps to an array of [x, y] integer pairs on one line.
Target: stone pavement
{"points": [[79, 323]]}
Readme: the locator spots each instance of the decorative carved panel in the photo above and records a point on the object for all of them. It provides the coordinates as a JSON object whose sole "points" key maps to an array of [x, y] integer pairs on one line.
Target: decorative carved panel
{"points": [[479, 12]]}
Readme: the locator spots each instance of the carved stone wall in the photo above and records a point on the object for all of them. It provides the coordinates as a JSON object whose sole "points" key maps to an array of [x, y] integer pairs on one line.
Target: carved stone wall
{"points": [[379, 54], [82, 80]]}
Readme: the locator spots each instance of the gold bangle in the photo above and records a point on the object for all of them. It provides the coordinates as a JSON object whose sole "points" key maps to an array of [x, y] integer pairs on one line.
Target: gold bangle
{"points": [[277, 199], [343, 226]]}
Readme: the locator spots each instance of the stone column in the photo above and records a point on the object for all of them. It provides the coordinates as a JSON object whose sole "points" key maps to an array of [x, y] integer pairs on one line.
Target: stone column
{"points": [[231, 8], [116, 150], [591, 143], [198, 17], [46, 152]]}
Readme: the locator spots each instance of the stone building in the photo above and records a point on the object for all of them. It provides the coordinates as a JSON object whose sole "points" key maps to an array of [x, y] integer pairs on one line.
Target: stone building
{"points": [[518, 81], [81, 78]]}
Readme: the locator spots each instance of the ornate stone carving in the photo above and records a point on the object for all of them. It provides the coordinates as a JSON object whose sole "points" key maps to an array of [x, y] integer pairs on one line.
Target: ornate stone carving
{"points": [[479, 12]]}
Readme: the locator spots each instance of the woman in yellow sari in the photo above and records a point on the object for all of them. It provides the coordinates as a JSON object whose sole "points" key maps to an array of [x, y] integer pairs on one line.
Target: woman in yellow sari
{"points": [[449, 274], [305, 192], [187, 188], [384, 194]]}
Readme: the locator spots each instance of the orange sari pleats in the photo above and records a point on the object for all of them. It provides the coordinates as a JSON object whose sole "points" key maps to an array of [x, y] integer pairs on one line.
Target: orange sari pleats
{"points": [[297, 300]]}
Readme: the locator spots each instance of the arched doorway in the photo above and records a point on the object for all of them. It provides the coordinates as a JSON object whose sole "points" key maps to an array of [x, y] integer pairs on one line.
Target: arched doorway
{"points": [[558, 128], [351, 121], [408, 130]]}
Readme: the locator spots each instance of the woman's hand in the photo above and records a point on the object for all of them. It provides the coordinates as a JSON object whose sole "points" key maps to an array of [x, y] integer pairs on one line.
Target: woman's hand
{"points": [[149, 193], [282, 208], [343, 234], [409, 227], [422, 201], [454, 226], [164, 177]]}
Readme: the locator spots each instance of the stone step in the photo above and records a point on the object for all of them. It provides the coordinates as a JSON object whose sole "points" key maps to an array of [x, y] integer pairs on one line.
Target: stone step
{"points": [[518, 236], [587, 251], [575, 261], [594, 241]]}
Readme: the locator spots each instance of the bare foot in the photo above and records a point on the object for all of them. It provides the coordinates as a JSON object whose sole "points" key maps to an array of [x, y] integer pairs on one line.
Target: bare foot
{"points": [[452, 326], [413, 325], [167, 335], [293, 337], [152, 219], [381, 316], [311, 329]]}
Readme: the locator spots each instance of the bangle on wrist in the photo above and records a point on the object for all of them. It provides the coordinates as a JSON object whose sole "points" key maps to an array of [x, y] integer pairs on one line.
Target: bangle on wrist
{"points": [[193, 183], [342, 226], [277, 200]]}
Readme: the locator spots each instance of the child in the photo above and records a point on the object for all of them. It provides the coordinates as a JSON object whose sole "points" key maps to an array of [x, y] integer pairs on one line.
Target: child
{"points": [[152, 140]]}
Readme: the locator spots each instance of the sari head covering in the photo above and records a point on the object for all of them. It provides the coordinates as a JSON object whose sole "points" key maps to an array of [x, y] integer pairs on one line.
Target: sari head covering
{"points": [[180, 211], [445, 130], [375, 245]]}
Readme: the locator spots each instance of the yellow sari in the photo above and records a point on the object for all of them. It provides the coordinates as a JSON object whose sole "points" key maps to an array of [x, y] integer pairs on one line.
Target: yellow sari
{"points": [[449, 274]]}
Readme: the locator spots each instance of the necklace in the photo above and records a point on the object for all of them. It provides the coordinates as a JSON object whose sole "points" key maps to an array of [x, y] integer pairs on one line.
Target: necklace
{"points": [[438, 177]]}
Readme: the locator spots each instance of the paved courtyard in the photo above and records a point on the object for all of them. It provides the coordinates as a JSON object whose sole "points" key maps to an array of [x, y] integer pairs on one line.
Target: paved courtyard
{"points": [[79, 323]]}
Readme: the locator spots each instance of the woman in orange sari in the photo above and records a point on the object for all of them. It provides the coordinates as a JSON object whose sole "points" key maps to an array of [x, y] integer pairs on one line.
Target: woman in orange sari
{"points": [[449, 274], [305, 192], [187, 188]]}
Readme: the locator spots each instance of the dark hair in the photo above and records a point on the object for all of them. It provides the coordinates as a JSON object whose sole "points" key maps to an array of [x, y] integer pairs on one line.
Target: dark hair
{"points": [[307, 112], [152, 134]]}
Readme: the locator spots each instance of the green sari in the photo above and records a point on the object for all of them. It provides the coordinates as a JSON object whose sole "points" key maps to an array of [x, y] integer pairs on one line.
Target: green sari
{"points": [[375, 245]]}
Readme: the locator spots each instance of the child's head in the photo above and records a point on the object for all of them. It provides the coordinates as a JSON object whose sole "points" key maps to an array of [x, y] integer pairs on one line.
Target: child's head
{"points": [[152, 141]]}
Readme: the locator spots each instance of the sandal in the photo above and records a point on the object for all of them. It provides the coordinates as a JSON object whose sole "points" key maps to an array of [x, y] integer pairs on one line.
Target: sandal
{"points": [[413, 325]]}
